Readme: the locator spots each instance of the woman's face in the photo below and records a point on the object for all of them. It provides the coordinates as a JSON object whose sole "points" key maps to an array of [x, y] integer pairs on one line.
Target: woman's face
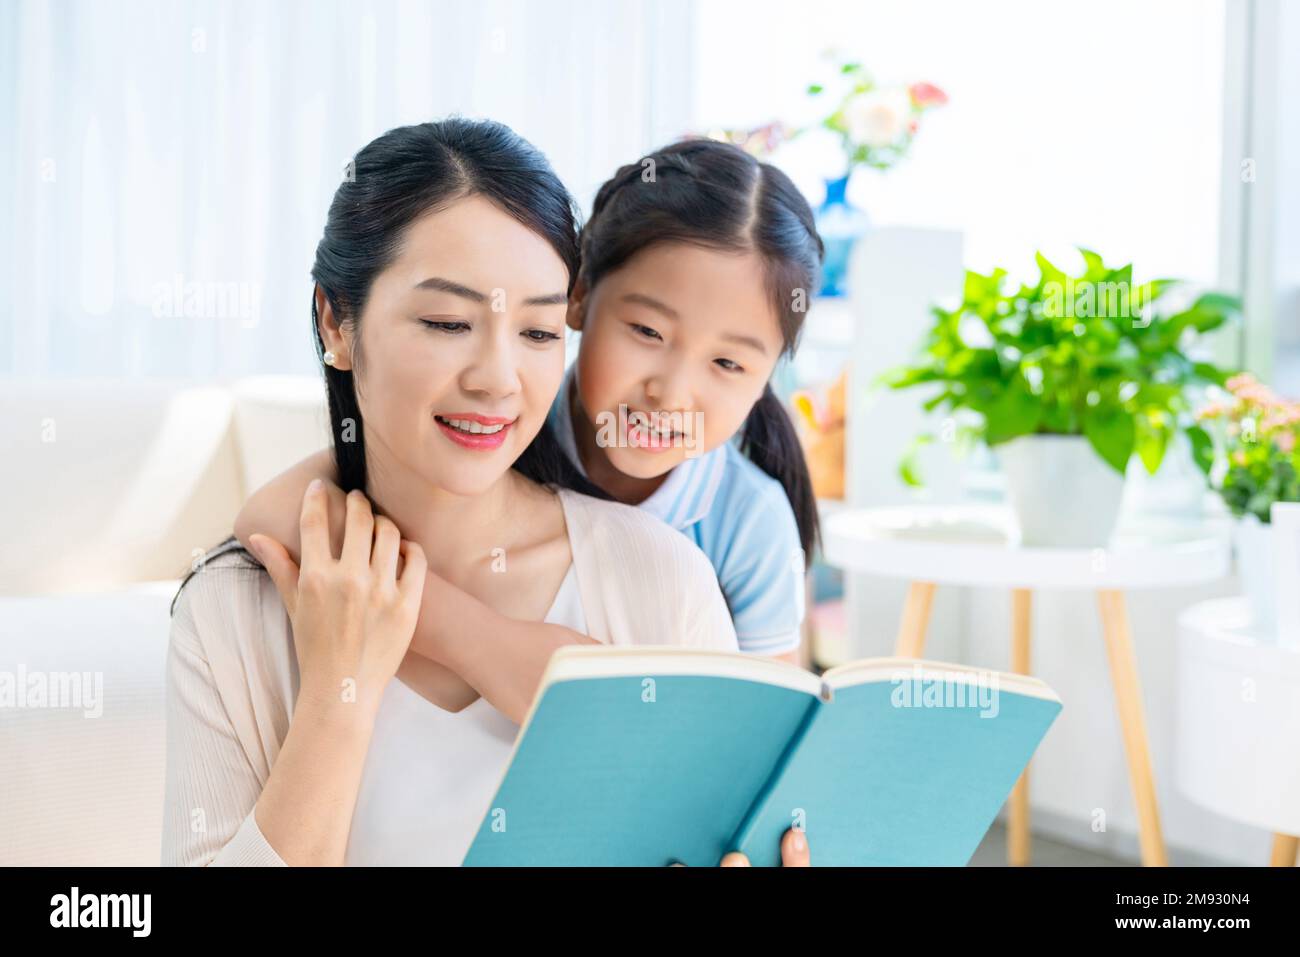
{"points": [[461, 347], [684, 338]]}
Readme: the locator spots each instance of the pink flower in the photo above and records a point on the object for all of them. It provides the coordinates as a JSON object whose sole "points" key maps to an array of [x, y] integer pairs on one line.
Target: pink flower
{"points": [[1248, 390], [1285, 441], [926, 95]]}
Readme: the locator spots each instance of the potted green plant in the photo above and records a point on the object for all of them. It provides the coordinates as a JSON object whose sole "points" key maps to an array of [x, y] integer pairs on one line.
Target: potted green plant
{"points": [[1256, 462], [1067, 379]]}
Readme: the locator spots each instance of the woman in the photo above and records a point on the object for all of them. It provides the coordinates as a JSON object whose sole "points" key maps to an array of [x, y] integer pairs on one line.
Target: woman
{"points": [[441, 288]]}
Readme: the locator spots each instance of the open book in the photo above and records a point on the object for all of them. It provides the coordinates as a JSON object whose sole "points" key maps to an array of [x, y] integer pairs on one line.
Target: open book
{"points": [[650, 756]]}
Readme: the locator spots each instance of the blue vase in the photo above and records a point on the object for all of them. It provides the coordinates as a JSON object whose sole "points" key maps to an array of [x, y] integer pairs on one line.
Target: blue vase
{"points": [[840, 224]]}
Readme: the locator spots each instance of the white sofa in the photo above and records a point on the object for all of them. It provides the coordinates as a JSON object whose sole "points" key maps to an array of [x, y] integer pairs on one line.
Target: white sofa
{"points": [[112, 490]]}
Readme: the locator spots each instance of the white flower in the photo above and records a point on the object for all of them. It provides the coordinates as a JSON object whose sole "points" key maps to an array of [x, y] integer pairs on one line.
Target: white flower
{"points": [[878, 118]]}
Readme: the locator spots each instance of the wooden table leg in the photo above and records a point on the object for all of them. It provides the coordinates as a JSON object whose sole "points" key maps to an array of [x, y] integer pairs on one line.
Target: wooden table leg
{"points": [[1128, 701], [1018, 839], [916, 617], [1284, 850]]}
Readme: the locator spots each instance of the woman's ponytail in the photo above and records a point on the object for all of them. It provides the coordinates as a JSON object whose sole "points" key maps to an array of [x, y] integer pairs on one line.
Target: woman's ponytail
{"points": [[770, 441]]}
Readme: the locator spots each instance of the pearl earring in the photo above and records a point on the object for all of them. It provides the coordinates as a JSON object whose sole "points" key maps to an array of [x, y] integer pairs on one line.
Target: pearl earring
{"points": [[329, 358]]}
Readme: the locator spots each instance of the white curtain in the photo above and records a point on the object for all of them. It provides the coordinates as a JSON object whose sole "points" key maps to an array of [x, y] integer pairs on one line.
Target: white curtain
{"points": [[154, 148]]}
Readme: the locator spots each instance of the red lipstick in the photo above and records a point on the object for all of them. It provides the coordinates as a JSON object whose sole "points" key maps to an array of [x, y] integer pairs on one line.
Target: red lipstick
{"points": [[483, 441]]}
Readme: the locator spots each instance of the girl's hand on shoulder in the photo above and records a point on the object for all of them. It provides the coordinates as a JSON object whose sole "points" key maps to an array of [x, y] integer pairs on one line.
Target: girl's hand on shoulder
{"points": [[353, 616]]}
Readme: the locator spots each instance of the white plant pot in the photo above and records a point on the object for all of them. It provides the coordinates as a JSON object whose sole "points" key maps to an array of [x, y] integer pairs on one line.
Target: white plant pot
{"points": [[1062, 493], [1252, 542]]}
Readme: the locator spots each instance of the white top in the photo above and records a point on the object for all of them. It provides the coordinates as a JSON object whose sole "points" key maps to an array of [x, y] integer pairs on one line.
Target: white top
{"points": [[431, 774], [976, 545], [232, 680]]}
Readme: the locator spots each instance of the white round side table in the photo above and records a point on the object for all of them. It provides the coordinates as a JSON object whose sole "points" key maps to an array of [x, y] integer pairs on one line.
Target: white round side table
{"points": [[977, 545], [1239, 721]]}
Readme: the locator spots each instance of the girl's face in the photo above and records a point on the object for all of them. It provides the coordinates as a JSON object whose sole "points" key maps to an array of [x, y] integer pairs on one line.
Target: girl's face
{"points": [[682, 337], [462, 347]]}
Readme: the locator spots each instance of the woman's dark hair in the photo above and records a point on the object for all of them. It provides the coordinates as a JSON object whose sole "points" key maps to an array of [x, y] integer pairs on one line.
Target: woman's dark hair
{"points": [[713, 194], [395, 179]]}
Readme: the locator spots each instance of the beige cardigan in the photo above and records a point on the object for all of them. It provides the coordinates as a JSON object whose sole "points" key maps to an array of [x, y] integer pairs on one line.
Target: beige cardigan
{"points": [[232, 675]]}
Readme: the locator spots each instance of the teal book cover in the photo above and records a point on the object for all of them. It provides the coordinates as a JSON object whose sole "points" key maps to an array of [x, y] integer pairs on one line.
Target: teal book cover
{"points": [[655, 756]]}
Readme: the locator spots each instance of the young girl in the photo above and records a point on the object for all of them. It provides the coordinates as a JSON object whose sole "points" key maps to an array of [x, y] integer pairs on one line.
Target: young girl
{"points": [[697, 265]]}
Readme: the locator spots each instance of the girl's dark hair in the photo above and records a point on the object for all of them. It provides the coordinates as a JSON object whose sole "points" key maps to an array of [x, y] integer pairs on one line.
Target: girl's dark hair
{"points": [[713, 194], [395, 179]]}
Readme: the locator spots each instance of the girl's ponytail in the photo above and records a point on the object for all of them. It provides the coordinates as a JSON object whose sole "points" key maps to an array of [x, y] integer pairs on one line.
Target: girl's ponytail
{"points": [[770, 441]]}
